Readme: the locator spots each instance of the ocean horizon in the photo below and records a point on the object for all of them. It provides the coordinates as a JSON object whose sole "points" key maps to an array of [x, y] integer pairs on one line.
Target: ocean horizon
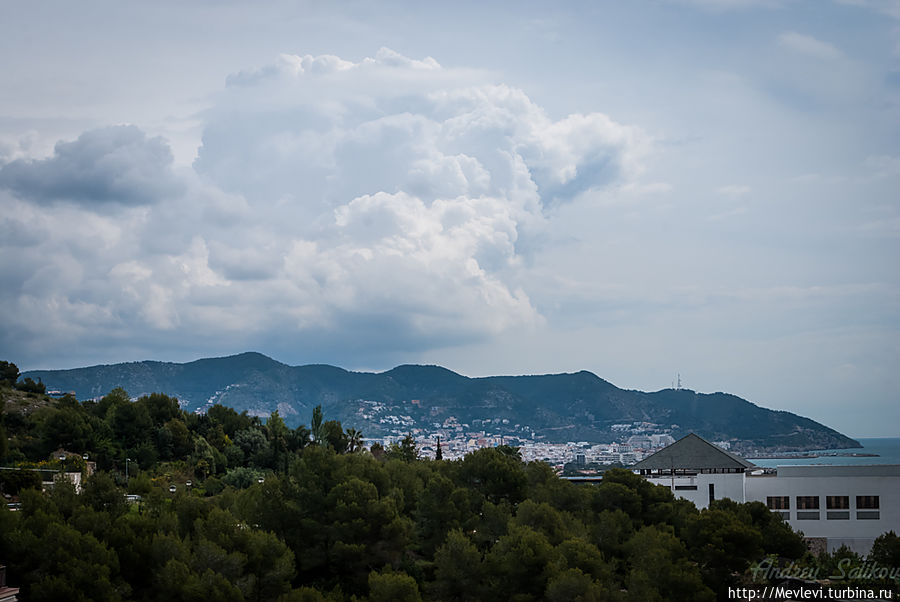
{"points": [[886, 450]]}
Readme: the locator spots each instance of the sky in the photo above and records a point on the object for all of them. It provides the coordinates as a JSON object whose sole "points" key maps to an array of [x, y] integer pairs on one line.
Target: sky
{"points": [[703, 188]]}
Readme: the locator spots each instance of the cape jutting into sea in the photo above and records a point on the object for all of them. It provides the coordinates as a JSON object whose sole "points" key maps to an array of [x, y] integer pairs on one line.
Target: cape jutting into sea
{"points": [[887, 450]]}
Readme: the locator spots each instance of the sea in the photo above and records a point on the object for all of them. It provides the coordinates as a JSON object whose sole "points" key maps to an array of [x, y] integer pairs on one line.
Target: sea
{"points": [[886, 450]]}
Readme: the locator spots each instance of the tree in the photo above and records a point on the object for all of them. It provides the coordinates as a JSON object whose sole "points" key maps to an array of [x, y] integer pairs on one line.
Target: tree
{"points": [[174, 440], [886, 550], [556, 526], [498, 475], [437, 512], [334, 436], [177, 581], [377, 451], [406, 451], [661, 570], [254, 444], [115, 398], [520, 564], [9, 374], [29, 386], [161, 408], [365, 530], [207, 460], [57, 562], [4, 443], [572, 585], [340, 526], [298, 438], [131, 423], [242, 477], [458, 572], [616, 496], [278, 436], [510, 451], [64, 427], [610, 530], [723, 544], [438, 454], [354, 440], [315, 425], [100, 492], [270, 563], [839, 562], [230, 420], [14, 481], [393, 587], [257, 562], [581, 555]]}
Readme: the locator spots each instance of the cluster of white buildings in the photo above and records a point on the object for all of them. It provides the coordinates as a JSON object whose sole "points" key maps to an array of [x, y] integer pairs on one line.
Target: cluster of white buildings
{"points": [[555, 454], [831, 505]]}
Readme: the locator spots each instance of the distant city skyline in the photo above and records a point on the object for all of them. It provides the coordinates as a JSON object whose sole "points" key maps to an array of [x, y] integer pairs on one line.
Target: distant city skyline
{"points": [[703, 187]]}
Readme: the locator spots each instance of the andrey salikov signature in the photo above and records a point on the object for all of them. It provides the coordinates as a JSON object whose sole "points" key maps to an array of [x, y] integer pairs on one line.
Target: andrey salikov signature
{"points": [[847, 570]]}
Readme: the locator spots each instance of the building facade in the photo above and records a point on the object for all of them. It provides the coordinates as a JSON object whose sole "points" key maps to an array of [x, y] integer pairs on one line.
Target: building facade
{"points": [[833, 505], [845, 505]]}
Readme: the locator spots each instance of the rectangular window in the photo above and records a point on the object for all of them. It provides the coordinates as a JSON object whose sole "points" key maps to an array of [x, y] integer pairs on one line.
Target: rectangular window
{"points": [[867, 502], [807, 502], [712, 492], [837, 502], [685, 488], [779, 502]]}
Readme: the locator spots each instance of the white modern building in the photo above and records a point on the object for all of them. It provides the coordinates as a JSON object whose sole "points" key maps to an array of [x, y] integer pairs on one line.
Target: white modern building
{"points": [[834, 505]]}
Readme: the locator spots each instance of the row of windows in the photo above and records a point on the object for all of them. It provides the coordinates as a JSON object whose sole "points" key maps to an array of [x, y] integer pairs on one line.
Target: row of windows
{"points": [[832, 502], [721, 470], [830, 514]]}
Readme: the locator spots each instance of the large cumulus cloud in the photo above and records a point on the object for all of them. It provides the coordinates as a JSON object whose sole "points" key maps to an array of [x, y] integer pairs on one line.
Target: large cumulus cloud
{"points": [[376, 206], [113, 165], [327, 129]]}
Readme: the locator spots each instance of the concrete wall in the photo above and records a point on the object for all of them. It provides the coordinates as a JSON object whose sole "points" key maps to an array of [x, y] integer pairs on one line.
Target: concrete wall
{"points": [[728, 485], [856, 528]]}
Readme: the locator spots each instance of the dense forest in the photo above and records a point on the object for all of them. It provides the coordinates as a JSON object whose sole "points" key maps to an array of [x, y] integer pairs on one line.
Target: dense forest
{"points": [[224, 506]]}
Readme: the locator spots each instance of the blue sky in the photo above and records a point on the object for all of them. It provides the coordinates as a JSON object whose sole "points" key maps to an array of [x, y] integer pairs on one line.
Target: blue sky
{"points": [[703, 187]]}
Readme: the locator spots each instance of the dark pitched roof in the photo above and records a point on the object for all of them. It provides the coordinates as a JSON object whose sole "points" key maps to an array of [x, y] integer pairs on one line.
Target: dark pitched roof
{"points": [[691, 452]]}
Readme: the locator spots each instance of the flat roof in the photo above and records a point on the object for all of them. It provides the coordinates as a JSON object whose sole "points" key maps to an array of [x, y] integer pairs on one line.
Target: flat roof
{"points": [[834, 470]]}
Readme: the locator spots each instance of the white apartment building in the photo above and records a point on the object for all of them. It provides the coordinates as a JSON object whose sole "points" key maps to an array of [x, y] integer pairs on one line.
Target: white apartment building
{"points": [[837, 505]]}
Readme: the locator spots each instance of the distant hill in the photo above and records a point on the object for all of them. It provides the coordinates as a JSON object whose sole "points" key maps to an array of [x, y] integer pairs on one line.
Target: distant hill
{"points": [[556, 407]]}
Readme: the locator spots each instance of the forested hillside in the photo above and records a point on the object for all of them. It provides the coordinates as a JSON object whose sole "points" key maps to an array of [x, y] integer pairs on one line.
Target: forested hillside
{"points": [[555, 407], [231, 508]]}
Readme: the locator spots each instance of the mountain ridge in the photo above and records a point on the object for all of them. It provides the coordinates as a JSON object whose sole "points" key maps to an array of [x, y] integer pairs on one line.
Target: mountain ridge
{"points": [[564, 406]]}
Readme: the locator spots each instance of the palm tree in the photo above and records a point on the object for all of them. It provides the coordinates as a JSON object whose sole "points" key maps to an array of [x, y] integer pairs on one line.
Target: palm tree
{"points": [[354, 440], [510, 451]]}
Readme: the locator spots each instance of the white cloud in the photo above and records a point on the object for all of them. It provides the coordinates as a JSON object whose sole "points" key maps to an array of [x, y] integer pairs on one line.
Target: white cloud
{"points": [[113, 165], [381, 205], [733, 191], [728, 5], [886, 7], [292, 66], [809, 46]]}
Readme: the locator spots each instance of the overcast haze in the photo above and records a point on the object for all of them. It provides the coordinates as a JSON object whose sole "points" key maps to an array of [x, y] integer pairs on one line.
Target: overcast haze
{"points": [[705, 187]]}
